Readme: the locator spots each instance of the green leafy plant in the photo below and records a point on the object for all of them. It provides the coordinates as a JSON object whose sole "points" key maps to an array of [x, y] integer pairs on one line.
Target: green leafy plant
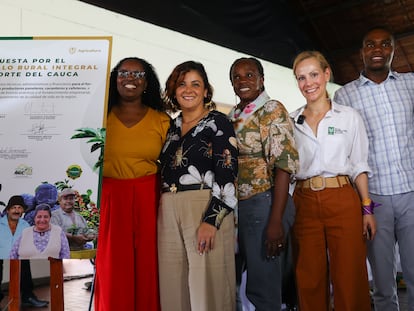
{"points": [[97, 138], [60, 185], [87, 208], [73, 229]]}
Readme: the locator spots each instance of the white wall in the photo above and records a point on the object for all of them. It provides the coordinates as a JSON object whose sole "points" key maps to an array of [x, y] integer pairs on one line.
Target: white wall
{"points": [[161, 47]]}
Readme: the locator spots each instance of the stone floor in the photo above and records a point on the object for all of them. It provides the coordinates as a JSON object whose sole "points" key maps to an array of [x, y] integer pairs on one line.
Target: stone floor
{"points": [[78, 298]]}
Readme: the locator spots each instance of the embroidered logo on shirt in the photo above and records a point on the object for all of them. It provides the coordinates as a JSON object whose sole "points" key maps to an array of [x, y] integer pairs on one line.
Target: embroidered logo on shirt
{"points": [[332, 130]]}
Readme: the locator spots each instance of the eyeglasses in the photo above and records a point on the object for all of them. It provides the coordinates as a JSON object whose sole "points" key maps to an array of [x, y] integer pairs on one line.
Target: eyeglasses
{"points": [[136, 74]]}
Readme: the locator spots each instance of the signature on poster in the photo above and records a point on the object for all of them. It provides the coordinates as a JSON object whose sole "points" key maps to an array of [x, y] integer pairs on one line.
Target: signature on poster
{"points": [[38, 128], [40, 108]]}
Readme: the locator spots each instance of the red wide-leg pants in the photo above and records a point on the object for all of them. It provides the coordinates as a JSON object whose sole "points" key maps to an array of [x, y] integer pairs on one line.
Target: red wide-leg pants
{"points": [[126, 262]]}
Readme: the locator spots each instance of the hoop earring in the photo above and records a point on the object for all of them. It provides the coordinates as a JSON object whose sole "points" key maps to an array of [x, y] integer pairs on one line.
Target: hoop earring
{"points": [[208, 105]]}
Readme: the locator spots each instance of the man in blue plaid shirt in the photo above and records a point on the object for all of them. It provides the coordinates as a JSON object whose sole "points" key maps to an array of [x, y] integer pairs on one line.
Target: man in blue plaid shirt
{"points": [[385, 100]]}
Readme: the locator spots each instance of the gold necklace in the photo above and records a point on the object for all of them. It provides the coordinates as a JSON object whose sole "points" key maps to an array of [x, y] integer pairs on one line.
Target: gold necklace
{"points": [[199, 117]]}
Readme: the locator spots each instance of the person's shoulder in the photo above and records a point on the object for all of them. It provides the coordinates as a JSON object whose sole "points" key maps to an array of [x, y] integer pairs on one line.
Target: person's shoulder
{"points": [[24, 223], [164, 116], [78, 215], [218, 116], [159, 120], [273, 110], [56, 228], [273, 102], [4, 222], [159, 114], [344, 94], [403, 75], [26, 229], [273, 105], [58, 215], [344, 110], [296, 112], [337, 107], [349, 85]]}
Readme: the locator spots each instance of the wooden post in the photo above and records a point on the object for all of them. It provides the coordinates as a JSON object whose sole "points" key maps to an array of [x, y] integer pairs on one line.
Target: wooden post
{"points": [[14, 285], [56, 284]]}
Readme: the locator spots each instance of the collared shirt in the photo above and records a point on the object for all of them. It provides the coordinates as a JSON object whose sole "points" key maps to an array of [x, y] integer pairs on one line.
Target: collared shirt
{"points": [[388, 112], [265, 141], [340, 147], [7, 239], [67, 220], [206, 155]]}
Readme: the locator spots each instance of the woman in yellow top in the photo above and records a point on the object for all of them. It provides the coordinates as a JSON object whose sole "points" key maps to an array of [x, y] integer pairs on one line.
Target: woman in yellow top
{"points": [[126, 264]]}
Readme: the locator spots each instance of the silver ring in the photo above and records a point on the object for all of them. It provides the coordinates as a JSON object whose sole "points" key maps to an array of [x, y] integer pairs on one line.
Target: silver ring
{"points": [[203, 243]]}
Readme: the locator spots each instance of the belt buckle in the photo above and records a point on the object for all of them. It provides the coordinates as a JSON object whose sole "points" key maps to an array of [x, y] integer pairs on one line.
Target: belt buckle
{"points": [[315, 188], [173, 188]]}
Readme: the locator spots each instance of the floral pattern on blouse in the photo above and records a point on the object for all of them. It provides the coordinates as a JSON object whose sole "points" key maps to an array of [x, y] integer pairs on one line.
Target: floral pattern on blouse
{"points": [[205, 156], [266, 142]]}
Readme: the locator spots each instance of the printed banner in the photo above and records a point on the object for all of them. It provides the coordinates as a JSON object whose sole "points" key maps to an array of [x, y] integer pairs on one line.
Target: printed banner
{"points": [[53, 95]]}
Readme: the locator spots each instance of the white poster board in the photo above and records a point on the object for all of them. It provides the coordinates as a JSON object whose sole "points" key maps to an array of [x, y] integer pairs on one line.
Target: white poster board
{"points": [[53, 89]]}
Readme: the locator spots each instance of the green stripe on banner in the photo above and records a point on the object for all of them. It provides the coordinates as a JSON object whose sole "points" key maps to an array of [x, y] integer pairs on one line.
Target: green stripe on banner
{"points": [[16, 38]]}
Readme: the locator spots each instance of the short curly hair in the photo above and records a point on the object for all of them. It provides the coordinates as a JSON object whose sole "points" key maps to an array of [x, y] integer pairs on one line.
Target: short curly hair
{"points": [[177, 75], [251, 59]]}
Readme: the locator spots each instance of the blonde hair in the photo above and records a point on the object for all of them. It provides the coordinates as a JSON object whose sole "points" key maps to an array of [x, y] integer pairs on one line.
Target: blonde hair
{"points": [[311, 54], [319, 58]]}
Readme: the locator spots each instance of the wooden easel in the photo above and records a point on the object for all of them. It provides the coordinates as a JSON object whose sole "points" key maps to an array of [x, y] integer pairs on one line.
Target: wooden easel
{"points": [[56, 285]]}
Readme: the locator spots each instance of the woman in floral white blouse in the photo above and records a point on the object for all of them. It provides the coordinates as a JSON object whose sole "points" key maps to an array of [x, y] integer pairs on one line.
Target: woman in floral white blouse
{"points": [[195, 221]]}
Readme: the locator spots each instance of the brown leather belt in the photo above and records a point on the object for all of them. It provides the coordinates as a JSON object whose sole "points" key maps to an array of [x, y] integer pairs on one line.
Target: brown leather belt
{"points": [[318, 183]]}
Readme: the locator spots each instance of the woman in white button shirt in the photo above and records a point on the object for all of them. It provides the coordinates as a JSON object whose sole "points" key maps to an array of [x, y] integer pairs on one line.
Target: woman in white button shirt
{"points": [[333, 220]]}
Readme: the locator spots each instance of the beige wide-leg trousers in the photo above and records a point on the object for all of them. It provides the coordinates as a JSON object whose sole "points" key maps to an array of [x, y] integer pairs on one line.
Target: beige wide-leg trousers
{"points": [[190, 281]]}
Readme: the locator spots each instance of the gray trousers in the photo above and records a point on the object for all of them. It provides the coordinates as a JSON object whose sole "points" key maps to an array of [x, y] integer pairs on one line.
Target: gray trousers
{"points": [[264, 276], [395, 223]]}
